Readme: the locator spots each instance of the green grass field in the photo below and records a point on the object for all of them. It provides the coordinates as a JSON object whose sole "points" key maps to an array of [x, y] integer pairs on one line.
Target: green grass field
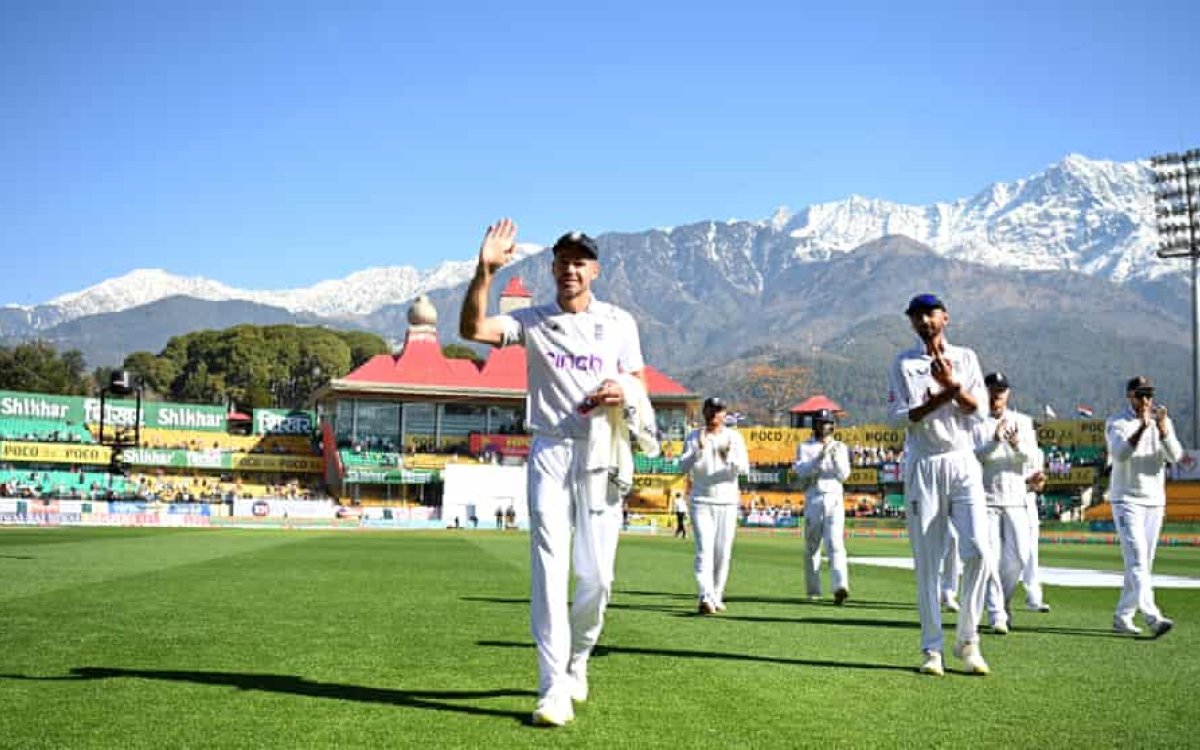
{"points": [[232, 638]]}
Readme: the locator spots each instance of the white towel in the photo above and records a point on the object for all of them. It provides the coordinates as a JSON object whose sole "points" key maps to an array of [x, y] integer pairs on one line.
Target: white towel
{"points": [[608, 466]]}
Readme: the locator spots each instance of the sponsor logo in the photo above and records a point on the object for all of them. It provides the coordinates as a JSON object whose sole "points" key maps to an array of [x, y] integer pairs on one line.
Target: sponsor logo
{"points": [[261, 508], [579, 362]]}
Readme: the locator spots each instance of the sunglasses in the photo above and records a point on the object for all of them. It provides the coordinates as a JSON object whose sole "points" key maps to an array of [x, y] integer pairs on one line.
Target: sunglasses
{"points": [[1142, 394]]}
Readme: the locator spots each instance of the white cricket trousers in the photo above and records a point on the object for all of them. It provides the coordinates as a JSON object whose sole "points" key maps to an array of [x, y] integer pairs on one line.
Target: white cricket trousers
{"points": [[1138, 527], [1008, 547], [1031, 576], [565, 634], [939, 491], [951, 569], [825, 521], [713, 527]]}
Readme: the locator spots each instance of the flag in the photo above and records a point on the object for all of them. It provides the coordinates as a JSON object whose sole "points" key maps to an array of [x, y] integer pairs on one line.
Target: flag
{"points": [[1050, 412], [1084, 410]]}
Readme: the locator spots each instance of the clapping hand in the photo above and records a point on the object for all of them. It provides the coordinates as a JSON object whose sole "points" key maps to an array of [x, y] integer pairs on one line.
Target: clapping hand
{"points": [[1160, 418]]}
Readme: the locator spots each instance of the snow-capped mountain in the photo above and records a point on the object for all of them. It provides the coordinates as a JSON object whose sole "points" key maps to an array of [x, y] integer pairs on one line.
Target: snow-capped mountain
{"points": [[1090, 216], [1095, 217], [358, 294]]}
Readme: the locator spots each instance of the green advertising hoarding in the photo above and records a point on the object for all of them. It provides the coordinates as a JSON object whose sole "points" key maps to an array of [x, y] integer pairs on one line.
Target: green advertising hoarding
{"points": [[117, 412], [178, 459], [284, 422], [389, 476]]}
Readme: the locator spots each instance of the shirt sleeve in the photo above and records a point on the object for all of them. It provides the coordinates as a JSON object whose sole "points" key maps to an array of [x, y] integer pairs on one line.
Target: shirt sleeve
{"points": [[1172, 448], [1117, 433], [972, 382], [739, 457], [841, 461], [691, 451], [513, 330], [630, 359], [899, 398]]}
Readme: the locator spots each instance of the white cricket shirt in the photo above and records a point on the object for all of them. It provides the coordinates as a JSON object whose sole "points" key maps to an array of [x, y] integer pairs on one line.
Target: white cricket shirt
{"points": [[1138, 475], [568, 356], [946, 428], [1005, 467]]}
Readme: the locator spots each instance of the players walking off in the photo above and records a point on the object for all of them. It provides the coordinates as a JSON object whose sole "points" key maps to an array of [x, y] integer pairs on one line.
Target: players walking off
{"points": [[713, 456], [581, 354], [1006, 445], [936, 391], [822, 464], [1141, 441]]}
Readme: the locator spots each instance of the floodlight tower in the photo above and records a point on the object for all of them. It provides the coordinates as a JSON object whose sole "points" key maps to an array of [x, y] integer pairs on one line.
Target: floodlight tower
{"points": [[1177, 208]]}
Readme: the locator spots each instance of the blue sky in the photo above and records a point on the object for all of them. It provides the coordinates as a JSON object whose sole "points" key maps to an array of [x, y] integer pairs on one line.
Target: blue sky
{"points": [[277, 143]]}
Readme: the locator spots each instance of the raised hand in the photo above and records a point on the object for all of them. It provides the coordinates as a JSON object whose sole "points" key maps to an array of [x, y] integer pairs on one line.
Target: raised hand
{"points": [[499, 243]]}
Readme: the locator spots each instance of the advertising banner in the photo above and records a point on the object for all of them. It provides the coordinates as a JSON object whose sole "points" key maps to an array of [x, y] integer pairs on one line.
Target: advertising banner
{"points": [[504, 445], [1071, 434], [1188, 468], [223, 461], [863, 476], [118, 412], [284, 422], [55, 453], [359, 475], [1078, 476], [275, 463], [777, 445]]}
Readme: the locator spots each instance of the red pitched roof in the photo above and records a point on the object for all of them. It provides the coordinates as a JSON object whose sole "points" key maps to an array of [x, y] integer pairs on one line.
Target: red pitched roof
{"points": [[659, 384], [514, 288], [815, 403], [421, 362]]}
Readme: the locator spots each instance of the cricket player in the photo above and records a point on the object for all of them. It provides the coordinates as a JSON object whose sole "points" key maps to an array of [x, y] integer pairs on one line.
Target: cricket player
{"points": [[936, 391], [1141, 441], [822, 464], [713, 457], [576, 349], [1007, 449]]}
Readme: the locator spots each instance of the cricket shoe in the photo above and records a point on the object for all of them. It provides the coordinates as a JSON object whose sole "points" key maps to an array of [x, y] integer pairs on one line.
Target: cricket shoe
{"points": [[933, 664], [1000, 628], [554, 710], [706, 607], [972, 660], [1038, 607], [1125, 627], [840, 596], [720, 605], [1161, 626], [577, 681], [949, 603]]}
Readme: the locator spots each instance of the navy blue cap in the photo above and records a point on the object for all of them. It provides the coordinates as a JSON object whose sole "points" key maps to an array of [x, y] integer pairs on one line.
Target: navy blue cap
{"points": [[579, 240], [923, 303]]}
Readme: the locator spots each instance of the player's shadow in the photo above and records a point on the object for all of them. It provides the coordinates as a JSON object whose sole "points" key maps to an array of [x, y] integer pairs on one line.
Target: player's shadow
{"points": [[16, 557], [496, 599], [433, 700], [809, 620], [851, 603], [1085, 632], [602, 651], [659, 594]]}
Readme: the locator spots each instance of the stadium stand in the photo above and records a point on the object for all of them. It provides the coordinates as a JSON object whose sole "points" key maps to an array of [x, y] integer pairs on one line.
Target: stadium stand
{"points": [[83, 484]]}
